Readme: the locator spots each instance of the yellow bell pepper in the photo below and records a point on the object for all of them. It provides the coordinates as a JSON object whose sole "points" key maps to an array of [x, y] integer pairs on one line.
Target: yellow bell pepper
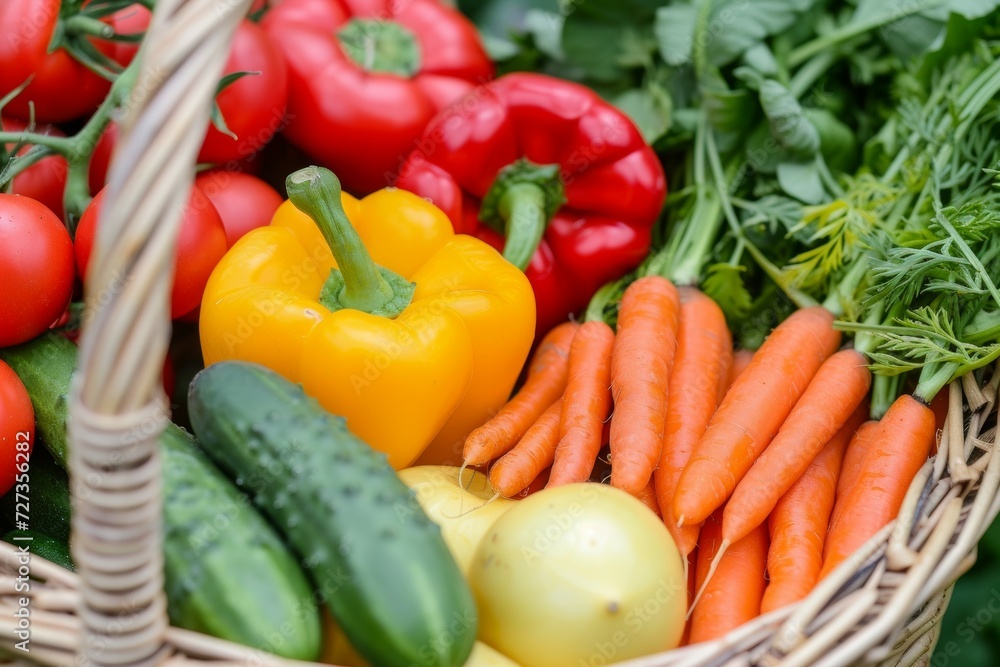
{"points": [[414, 334]]}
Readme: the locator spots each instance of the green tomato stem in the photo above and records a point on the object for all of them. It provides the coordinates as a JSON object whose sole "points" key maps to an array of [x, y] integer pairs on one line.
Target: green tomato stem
{"points": [[81, 24], [23, 163], [60, 145], [358, 283]]}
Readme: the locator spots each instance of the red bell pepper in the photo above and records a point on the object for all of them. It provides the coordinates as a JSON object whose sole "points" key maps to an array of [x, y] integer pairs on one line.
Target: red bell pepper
{"points": [[566, 176], [366, 76]]}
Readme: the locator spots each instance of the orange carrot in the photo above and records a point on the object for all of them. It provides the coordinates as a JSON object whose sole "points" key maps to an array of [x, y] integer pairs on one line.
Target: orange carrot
{"points": [[799, 523], [545, 384], [514, 471], [640, 372], [703, 341], [828, 403], [898, 449], [855, 456], [734, 594], [536, 485], [741, 361], [648, 497], [586, 404], [753, 410], [939, 405]]}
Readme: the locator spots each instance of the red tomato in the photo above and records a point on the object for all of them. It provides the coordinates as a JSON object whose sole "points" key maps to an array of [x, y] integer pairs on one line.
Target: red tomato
{"points": [[201, 245], [132, 20], [254, 106], [62, 88], [244, 202], [46, 180], [17, 428], [100, 159], [36, 269]]}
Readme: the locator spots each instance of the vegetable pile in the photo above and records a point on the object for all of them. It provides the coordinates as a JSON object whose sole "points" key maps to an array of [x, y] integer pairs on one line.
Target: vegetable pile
{"points": [[468, 383]]}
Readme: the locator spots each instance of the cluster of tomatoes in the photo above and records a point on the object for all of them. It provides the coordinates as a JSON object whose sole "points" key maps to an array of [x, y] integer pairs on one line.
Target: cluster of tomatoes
{"points": [[349, 84]]}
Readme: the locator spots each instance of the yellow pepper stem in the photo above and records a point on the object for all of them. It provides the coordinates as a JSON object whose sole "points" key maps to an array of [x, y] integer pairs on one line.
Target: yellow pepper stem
{"points": [[358, 283]]}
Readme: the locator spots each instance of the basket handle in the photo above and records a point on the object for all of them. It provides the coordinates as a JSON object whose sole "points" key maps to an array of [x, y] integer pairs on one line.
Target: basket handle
{"points": [[117, 407]]}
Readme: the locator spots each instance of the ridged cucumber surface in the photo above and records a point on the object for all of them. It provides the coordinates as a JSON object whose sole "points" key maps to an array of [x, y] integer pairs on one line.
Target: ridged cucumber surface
{"points": [[227, 572], [383, 566]]}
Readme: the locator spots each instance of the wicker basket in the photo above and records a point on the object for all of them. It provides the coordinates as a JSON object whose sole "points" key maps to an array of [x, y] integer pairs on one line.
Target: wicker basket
{"points": [[881, 607]]}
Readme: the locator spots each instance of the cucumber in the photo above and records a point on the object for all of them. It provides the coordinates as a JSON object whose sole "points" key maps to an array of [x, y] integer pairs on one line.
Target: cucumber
{"points": [[227, 572], [392, 584], [48, 500], [47, 547]]}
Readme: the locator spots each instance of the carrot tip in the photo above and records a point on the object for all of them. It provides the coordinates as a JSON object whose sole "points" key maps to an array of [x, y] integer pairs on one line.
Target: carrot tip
{"points": [[680, 521]]}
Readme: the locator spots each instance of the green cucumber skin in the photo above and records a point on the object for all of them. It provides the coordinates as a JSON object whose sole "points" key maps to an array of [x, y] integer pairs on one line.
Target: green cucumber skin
{"points": [[48, 498], [227, 573], [45, 546], [392, 584]]}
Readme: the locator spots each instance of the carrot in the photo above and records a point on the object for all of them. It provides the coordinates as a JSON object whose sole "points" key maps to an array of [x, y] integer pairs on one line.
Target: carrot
{"points": [[536, 485], [700, 366], [733, 595], [741, 361], [753, 410], [514, 471], [899, 447], [854, 456], [939, 405], [545, 384], [586, 404], [799, 523], [828, 403], [640, 371], [648, 497]]}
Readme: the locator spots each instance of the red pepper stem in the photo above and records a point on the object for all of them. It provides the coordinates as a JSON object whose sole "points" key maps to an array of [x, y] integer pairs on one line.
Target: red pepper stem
{"points": [[358, 283], [522, 206]]}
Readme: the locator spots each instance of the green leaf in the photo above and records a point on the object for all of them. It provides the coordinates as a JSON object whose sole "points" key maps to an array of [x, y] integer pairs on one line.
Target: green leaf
{"points": [[674, 30], [914, 35], [972, 9], [789, 125], [649, 108], [597, 48], [724, 284], [760, 58], [498, 48], [729, 111], [802, 181], [616, 11], [546, 29], [737, 25], [837, 141]]}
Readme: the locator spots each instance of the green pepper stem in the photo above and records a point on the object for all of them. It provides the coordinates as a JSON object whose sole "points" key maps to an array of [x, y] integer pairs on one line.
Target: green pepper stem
{"points": [[358, 283], [523, 207]]}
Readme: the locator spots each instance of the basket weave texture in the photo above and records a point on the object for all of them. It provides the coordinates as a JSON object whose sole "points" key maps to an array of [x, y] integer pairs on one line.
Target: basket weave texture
{"points": [[883, 606]]}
